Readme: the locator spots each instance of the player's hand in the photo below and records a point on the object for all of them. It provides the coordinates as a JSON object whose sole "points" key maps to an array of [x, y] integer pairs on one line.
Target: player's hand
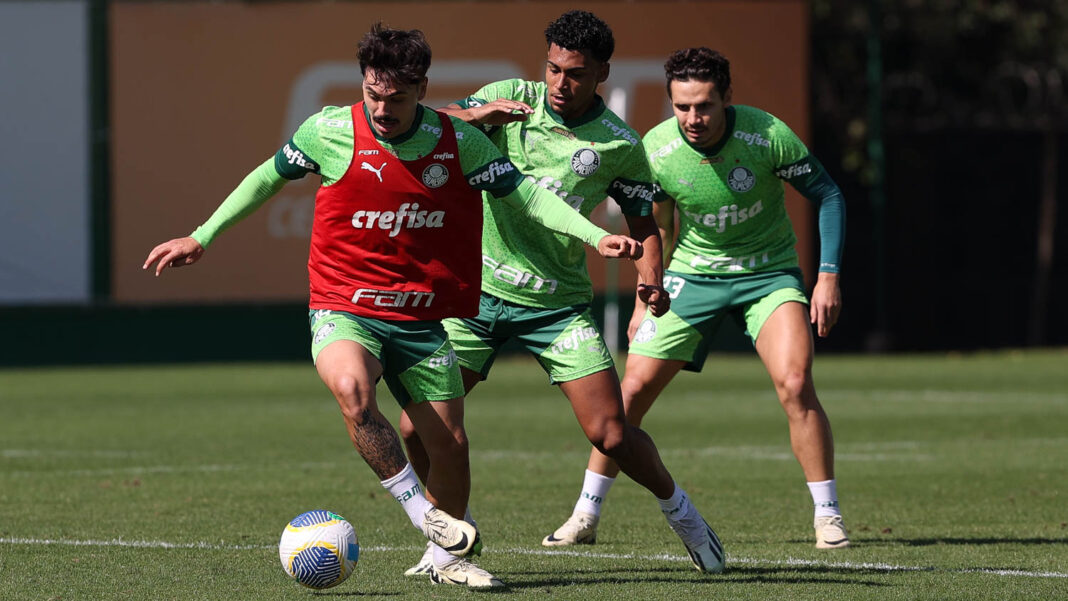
{"points": [[655, 297], [826, 303], [614, 246], [174, 253], [500, 112]]}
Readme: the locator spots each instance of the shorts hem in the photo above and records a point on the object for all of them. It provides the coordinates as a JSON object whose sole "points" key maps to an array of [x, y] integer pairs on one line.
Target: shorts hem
{"points": [[582, 373]]}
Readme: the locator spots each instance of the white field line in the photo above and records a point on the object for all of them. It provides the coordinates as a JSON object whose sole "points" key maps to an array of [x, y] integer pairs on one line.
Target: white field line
{"points": [[731, 560]]}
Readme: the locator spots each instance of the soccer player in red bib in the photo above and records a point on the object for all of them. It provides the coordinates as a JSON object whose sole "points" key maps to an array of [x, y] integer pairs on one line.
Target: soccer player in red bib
{"points": [[395, 248]]}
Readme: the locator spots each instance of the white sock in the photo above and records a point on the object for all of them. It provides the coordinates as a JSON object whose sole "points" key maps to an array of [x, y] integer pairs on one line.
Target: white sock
{"points": [[824, 498], [594, 490], [406, 490], [676, 506]]}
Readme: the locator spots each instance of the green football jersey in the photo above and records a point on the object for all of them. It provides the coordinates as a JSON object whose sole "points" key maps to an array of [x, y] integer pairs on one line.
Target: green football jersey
{"points": [[583, 162], [730, 198], [323, 144]]}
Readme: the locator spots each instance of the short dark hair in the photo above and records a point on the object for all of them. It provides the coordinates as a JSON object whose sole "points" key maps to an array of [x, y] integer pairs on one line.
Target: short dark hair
{"points": [[701, 64], [579, 31], [397, 56]]}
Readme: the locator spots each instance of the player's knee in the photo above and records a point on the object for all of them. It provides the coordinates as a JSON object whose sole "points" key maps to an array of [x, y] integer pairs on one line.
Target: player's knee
{"points": [[353, 397], [609, 438], [796, 392], [453, 446]]}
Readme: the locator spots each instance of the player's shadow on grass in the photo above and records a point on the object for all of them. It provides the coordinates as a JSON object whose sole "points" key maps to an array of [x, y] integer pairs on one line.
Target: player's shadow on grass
{"points": [[374, 594], [734, 575], [928, 542]]}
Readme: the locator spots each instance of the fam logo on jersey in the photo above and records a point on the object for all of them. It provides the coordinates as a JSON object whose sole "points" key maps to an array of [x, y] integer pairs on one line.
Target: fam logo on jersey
{"points": [[741, 179], [435, 175], [585, 161], [325, 330], [646, 331]]}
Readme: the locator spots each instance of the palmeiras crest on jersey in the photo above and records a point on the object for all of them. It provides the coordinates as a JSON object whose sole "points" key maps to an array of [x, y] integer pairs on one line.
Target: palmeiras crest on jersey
{"points": [[324, 331], [741, 179], [435, 175], [646, 331], [585, 161]]}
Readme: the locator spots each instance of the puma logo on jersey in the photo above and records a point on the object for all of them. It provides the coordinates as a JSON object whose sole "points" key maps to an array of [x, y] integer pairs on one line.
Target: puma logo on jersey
{"points": [[368, 167]]}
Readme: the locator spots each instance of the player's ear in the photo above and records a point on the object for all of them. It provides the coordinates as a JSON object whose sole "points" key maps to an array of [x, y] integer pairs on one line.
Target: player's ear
{"points": [[727, 96], [422, 88], [602, 72]]}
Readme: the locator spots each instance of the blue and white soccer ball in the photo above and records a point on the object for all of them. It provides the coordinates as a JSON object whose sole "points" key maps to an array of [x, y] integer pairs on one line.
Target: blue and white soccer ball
{"points": [[319, 549]]}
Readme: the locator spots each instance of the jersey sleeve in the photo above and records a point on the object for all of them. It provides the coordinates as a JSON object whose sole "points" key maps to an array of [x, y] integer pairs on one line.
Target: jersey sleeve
{"points": [[485, 168], [250, 194], [634, 189], [786, 147], [808, 177], [294, 159]]}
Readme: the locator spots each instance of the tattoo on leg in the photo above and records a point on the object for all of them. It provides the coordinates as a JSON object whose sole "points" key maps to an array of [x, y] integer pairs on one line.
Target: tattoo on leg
{"points": [[377, 442]]}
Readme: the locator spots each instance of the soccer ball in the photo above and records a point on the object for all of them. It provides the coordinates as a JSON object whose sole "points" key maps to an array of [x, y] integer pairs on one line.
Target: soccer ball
{"points": [[319, 549]]}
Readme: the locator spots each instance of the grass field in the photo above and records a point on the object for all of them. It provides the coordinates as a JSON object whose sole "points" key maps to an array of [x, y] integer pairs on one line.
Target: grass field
{"points": [[175, 482]]}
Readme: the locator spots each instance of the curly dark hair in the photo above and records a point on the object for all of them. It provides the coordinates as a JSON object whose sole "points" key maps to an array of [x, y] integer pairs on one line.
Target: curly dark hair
{"points": [[397, 56], [580, 31], [701, 64]]}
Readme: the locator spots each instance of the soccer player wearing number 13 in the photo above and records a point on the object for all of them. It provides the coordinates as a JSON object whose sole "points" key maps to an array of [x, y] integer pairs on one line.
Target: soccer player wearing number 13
{"points": [[395, 248], [721, 168]]}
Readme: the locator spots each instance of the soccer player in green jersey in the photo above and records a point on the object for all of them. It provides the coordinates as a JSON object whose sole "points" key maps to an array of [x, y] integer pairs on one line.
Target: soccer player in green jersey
{"points": [[721, 169], [395, 247], [535, 286]]}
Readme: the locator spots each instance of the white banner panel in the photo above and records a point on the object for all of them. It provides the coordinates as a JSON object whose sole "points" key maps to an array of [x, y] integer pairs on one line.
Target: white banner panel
{"points": [[44, 153]]}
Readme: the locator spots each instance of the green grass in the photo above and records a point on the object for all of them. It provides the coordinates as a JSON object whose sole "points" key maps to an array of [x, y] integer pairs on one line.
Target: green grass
{"points": [[175, 483]]}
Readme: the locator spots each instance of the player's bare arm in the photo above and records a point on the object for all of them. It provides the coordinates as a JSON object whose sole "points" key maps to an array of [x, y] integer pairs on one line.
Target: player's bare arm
{"points": [[826, 303], [178, 252], [651, 266], [498, 112]]}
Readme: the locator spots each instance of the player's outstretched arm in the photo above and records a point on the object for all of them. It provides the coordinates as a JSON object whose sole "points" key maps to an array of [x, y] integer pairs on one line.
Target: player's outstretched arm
{"points": [[174, 253], [498, 112], [549, 210], [249, 195]]}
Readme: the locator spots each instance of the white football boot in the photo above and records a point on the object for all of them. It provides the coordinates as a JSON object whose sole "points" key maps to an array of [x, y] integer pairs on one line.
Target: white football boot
{"points": [[706, 552], [579, 529], [455, 536], [464, 573], [830, 532], [426, 563]]}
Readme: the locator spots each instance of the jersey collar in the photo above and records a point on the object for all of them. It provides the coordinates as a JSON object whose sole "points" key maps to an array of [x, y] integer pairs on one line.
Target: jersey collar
{"points": [[592, 113], [713, 150], [419, 114]]}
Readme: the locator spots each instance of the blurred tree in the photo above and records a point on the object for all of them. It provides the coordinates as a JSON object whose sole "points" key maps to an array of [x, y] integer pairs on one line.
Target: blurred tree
{"points": [[975, 65]]}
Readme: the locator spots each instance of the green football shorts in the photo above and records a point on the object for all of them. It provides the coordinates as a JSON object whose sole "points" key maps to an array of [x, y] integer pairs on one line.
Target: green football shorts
{"points": [[418, 362], [700, 302], [566, 342]]}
